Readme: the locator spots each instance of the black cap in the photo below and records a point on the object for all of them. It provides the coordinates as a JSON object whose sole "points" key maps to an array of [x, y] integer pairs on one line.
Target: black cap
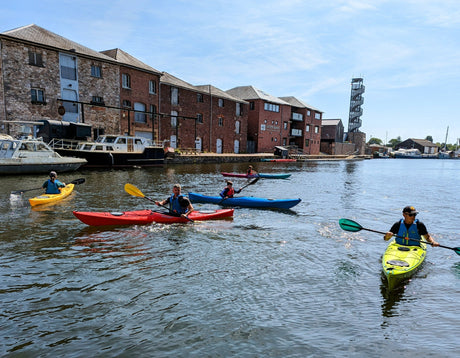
{"points": [[53, 174], [410, 210]]}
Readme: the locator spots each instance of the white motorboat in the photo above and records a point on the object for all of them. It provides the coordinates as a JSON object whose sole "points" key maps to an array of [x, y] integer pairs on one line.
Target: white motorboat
{"points": [[112, 151], [29, 155]]}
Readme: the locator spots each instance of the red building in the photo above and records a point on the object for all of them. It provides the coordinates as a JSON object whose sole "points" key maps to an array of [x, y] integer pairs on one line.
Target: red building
{"points": [[268, 119], [138, 95], [201, 117], [305, 129]]}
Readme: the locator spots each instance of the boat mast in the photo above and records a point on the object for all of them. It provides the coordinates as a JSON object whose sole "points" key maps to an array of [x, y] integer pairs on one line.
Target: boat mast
{"points": [[445, 141]]}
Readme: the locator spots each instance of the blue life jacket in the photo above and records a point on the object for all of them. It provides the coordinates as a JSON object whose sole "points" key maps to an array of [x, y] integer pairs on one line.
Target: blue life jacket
{"points": [[175, 206], [412, 232], [52, 187]]}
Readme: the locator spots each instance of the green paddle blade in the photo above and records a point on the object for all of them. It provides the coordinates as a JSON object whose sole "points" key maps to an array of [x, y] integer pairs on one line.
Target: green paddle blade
{"points": [[350, 225]]}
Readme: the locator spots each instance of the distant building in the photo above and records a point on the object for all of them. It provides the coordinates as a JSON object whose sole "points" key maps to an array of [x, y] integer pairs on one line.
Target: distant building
{"points": [[268, 119], [305, 128], [332, 132], [423, 145]]}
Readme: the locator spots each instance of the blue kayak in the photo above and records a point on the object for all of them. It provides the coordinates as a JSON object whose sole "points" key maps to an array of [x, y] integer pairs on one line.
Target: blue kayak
{"points": [[245, 201]]}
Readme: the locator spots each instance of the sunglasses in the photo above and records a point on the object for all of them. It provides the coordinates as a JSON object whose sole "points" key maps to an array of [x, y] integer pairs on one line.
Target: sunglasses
{"points": [[411, 214]]}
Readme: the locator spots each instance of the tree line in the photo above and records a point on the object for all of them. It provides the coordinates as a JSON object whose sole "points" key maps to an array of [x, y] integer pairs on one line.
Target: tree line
{"points": [[395, 141]]}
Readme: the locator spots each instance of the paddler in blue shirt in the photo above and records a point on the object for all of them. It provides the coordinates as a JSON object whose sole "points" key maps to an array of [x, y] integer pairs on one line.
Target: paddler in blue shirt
{"points": [[52, 185], [409, 227], [178, 204]]}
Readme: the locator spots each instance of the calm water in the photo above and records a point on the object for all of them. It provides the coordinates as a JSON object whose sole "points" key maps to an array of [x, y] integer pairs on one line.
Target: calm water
{"points": [[265, 284]]}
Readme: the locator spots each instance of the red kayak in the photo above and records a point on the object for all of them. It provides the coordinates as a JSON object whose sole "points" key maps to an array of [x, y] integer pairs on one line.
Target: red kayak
{"points": [[141, 217]]}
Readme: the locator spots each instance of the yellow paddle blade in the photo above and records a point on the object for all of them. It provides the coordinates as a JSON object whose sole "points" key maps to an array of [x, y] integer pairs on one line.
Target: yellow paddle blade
{"points": [[133, 190]]}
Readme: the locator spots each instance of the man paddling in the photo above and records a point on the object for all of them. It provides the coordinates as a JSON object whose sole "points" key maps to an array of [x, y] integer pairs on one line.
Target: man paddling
{"points": [[178, 203], [52, 185], [409, 227]]}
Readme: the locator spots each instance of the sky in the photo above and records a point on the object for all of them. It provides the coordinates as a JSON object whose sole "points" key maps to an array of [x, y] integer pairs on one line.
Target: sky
{"points": [[406, 51]]}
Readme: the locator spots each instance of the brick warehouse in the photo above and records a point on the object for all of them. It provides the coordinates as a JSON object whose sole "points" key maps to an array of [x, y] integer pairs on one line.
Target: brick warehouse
{"points": [[115, 93]]}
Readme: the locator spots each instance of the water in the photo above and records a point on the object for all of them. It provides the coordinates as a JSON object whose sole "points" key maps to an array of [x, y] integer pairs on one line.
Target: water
{"points": [[265, 284]]}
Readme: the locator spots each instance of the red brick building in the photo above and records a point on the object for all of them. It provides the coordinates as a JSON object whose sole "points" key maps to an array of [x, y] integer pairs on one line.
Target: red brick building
{"points": [[139, 97], [201, 117], [268, 119]]}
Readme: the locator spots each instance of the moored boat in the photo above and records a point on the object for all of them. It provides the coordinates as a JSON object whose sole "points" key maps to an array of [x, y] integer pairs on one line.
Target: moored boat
{"points": [[399, 262], [52, 198], [245, 201], [29, 155], [258, 175], [142, 217], [112, 151], [281, 160]]}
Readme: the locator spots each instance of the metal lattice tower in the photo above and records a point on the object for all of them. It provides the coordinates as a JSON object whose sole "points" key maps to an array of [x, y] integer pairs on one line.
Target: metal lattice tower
{"points": [[356, 100]]}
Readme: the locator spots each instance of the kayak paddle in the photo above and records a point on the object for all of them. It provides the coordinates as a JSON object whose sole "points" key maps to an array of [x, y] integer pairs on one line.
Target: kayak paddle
{"points": [[134, 191], [76, 182], [353, 226], [244, 186]]}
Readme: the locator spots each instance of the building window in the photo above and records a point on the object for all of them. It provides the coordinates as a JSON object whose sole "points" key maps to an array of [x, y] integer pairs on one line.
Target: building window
{"points": [[239, 109], [285, 125], [153, 110], [37, 96], [152, 87], [174, 95], [251, 106], [316, 129], [139, 117], [237, 127], [97, 100], [220, 102], [307, 142], [307, 128], [308, 113], [199, 118], [126, 104], [96, 71], [221, 121], [271, 107], [199, 97], [173, 119], [317, 115], [126, 81], [35, 59]]}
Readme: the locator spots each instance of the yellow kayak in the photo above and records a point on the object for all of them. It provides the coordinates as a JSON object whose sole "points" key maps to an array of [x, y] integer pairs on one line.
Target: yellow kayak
{"points": [[400, 262], [50, 198]]}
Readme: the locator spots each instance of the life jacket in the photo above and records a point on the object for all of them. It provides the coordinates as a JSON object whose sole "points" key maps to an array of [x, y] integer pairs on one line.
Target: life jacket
{"points": [[52, 187], [412, 232], [174, 204], [227, 192]]}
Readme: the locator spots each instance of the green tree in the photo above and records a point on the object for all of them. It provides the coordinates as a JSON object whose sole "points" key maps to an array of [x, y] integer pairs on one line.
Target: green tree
{"points": [[375, 141], [430, 138], [394, 142]]}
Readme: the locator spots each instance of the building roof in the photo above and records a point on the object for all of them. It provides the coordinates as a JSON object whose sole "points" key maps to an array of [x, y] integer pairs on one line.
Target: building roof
{"points": [[331, 122], [125, 58], [214, 91], [40, 36], [250, 92], [169, 79], [423, 142], [295, 102]]}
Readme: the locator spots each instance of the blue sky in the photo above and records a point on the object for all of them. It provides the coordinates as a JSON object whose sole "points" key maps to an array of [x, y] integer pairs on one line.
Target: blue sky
{"points": [[407, 52]]}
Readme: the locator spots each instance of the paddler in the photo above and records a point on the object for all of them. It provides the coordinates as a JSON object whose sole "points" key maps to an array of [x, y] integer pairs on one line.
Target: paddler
{"points": [[228, 191], [52, 185], [410, 227], [178, 203]]}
